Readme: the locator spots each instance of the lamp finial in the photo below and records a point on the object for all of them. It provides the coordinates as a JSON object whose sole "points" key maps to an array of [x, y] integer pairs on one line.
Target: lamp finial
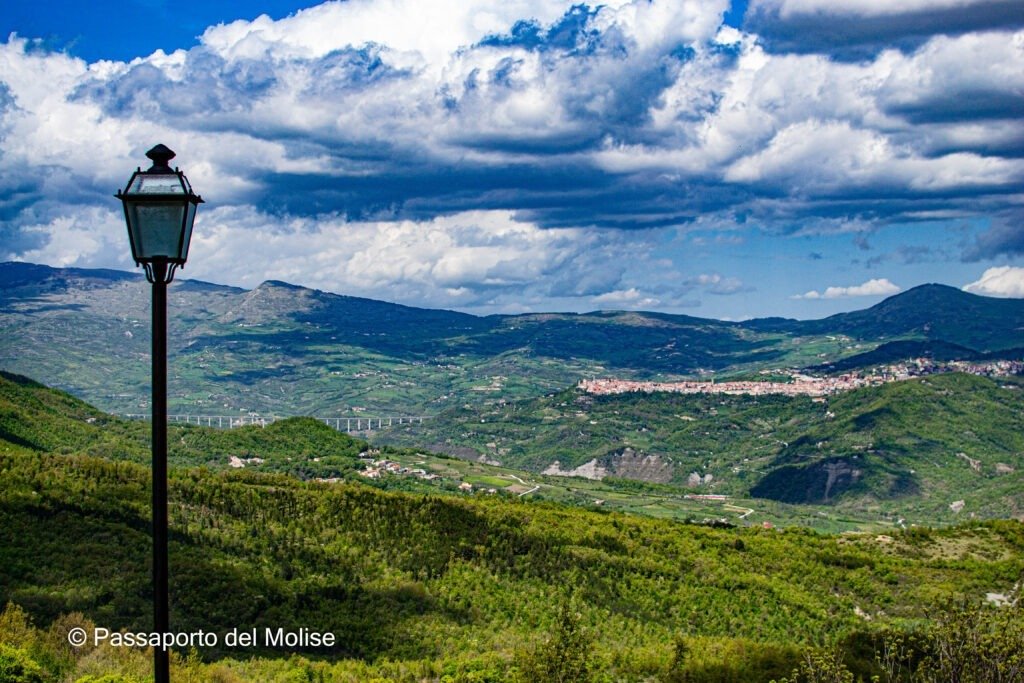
{"points": [[160, 155]]}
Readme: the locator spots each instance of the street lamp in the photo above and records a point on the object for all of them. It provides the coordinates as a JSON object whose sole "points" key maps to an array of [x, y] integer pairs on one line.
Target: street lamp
{"points": [[159, 208]]}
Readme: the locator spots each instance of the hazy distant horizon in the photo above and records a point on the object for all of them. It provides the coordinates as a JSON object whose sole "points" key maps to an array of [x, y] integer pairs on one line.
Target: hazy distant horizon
{"points": [[849, 303]]}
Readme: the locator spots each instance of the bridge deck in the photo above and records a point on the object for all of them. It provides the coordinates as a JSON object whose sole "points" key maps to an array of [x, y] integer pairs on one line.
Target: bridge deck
{"points": [[342, 424]]}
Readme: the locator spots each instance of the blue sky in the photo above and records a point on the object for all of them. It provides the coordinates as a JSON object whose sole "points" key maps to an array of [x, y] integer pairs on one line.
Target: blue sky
{"points": [[793, 157], [124, 30]]}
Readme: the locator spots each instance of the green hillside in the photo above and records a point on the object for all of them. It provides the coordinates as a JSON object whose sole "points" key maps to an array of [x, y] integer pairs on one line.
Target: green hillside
{"points": [[446, 588], [905, 449], [36, 418], [429, 585], [944, 438], [927, 312], [900, 351]]}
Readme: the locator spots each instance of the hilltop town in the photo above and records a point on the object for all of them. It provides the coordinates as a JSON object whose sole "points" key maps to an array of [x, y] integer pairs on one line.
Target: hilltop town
{"points": [[801, 384]]}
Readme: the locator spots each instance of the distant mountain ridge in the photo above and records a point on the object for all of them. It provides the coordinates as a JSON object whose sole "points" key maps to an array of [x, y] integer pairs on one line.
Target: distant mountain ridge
{"points": [[937, 312], [284, 349], [931, 311]]}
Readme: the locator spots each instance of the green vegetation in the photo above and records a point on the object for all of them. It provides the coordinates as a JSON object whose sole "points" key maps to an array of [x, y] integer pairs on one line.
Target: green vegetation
{"points": [[899, 351], [549, 578], [435, 586], [902, 450], [933, 312], [285, 350], [34, 418]]}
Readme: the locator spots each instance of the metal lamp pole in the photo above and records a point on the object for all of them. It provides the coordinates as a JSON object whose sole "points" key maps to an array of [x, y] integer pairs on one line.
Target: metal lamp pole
{"points": [[160, 209], [161, 610]]}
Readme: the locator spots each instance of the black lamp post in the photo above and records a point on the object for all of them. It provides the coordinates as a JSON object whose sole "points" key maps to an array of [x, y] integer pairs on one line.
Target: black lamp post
{"points": [[159, 207]]}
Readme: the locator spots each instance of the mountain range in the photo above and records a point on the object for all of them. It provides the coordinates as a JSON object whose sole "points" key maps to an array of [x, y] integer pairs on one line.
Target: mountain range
{"points": [[287, 350]]}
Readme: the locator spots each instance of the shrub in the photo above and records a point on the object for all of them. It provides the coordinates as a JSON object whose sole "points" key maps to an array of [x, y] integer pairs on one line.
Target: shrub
{"points": [[17, 667]]}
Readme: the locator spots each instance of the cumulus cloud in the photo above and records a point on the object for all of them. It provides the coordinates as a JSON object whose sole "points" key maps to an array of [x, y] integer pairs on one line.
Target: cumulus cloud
{"points": [[863, 8], [502, 149], [966, 78], [91, 238], [848, 160], [637, 104], [1002, 281], [467, 259], [482, 261], [631, 298], [433, 31], [876, 287]]}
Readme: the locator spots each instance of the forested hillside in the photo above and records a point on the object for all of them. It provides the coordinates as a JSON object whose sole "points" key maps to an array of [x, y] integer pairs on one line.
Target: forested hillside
{"points": [[36, 418], [418, 586], [908, 448], [435, 585]]}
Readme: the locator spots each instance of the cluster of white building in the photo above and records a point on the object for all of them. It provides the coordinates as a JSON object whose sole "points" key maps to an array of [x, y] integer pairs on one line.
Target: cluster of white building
{"points": [[922, 367], [804, 385], [377, 468], [800, 387]]}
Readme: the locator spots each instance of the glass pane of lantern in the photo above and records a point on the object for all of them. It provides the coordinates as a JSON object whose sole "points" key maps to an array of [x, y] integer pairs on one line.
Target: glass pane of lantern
{"points": [[189, 219], [156, 228], [162, 183]]}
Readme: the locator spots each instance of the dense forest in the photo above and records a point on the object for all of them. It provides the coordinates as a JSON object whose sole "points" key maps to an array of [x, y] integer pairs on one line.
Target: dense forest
{"points": [[424, 587]]}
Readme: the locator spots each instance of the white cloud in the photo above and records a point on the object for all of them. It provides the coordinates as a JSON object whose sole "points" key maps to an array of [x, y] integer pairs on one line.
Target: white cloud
{"points": [[631, 298], [809, 125], [435, 30], [840, 154], [656, 23], [714, 283], [946, 69], [803, 122], [478, 261], [1002, 281], [475, 260], [845, 158], [421, 34], [876, 287], [91, 238]]}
